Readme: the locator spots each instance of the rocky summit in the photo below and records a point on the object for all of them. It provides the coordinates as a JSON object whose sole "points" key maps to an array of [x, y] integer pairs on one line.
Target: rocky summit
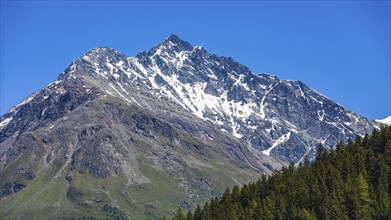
{"points": [[134, 137]]}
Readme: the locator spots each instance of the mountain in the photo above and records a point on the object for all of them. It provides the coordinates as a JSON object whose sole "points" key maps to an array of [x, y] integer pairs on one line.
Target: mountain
{"points": [[100, 140], [138, 135], [386, 121]]}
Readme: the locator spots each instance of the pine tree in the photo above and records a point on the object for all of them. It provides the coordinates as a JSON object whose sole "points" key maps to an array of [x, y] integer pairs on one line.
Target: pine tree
{"points": [[189, 215], [198, 213], [206, 212], [180, 215], [362, 200]]}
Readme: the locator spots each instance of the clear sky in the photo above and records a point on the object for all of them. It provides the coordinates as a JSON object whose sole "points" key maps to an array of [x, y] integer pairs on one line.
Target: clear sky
{"points": [[341, 49]]}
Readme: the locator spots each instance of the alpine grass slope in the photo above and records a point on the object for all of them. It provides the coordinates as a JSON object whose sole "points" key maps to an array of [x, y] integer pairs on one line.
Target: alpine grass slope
{"points": [[135, 136]]}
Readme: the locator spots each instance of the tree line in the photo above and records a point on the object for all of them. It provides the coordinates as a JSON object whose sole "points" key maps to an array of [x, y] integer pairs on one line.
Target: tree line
{"points": [[352, 181]]}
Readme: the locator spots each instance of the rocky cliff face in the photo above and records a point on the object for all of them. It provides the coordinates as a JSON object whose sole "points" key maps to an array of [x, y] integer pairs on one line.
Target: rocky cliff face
{"points": [[174, 124]]}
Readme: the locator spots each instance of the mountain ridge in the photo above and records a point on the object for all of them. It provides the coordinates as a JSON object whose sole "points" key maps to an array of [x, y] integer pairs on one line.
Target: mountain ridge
{"points": [[166, 69]]}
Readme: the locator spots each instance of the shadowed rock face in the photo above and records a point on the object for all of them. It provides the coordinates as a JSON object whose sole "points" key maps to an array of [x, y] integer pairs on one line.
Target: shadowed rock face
{"points": [[174, 125]]}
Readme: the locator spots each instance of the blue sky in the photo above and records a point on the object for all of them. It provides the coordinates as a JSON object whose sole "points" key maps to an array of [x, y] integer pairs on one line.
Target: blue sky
{"points": [[341, 49]]}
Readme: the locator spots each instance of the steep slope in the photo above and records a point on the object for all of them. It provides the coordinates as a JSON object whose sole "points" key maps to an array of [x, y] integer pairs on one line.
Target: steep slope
{"points": [[142, 133]]}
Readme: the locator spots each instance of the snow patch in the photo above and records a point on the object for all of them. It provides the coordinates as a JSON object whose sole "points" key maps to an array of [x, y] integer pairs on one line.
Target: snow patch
{"points": [[120, 63], [122, 88], [5, 122], [116, 75], [321, 115], [120, 94], [386, 121], [182, 56], [16, 134], [279, 141], [301, 92], [263, 104], [354, 116], [25, 101]]}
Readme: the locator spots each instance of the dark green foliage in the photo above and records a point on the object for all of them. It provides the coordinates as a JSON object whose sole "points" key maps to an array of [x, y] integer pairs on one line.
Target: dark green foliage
{"points": [[73, 194], [353, 181], [180, 215], [189, 216], [89, 218], [198, 213], [114, 213], [85, 218]]}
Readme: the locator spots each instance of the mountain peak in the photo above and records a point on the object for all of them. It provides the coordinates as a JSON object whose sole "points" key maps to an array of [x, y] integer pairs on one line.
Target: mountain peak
{"points": [[171, 44], [102, 51], [103, 55], [173, 38]]}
